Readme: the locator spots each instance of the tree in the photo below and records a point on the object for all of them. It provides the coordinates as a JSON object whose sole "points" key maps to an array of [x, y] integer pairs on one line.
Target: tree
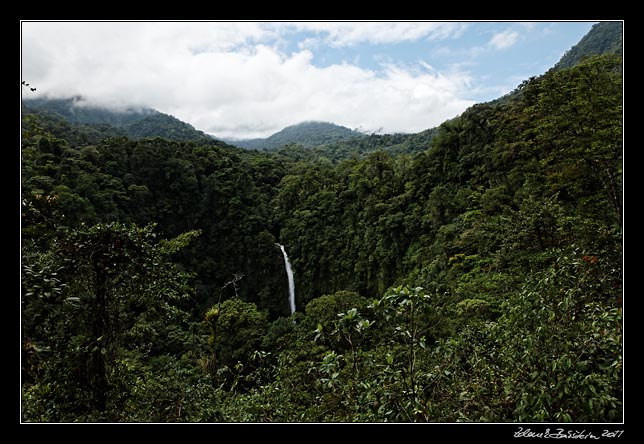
{"points": [[565, 328], [237, 328], [104, 295]]}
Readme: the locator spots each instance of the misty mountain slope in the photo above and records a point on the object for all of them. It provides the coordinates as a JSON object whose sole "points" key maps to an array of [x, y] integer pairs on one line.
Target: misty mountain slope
{"points": [[306, 134], [74, 112], [130, 122]]}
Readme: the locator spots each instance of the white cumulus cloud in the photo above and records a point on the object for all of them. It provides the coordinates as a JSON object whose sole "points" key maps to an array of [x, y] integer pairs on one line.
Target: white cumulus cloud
{"points": [[504, 39], [231, 80], [351, 33]]}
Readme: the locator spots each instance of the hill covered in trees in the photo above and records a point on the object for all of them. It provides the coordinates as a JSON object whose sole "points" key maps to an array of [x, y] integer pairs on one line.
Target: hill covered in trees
{"points": [[96, 123], [305, 134], [475, 274], [603, 38], [359, 147]]}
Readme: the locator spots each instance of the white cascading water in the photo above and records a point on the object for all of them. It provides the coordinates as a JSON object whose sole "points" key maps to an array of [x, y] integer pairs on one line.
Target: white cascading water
{"points": [[291, 281]]}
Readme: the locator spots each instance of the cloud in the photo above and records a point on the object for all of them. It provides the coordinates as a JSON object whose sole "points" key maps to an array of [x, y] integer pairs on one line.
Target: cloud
{"points": [[503, 40], [498, 41], [231, 80], [268, 90], [351, 33]]}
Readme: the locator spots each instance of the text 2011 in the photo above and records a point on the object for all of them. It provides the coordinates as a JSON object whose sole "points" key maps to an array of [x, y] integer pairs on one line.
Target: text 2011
{"points": [[566, 434]]}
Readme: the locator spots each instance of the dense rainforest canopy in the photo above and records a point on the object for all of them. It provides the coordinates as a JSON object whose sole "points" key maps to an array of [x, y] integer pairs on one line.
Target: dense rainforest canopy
{"points": [[469, 273]]}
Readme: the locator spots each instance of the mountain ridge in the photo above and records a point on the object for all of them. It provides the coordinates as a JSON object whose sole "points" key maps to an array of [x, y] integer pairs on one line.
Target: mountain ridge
{"points": [[309, 134], [135, 123], [144, 122], [603, 38]]}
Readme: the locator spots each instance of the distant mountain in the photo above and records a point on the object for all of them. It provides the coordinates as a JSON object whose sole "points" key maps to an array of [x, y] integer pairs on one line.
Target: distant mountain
{"points": [[307, 134], [133, 123], [359, 147], [163, 125], [603, 38], [60, 127], [72, 110]]}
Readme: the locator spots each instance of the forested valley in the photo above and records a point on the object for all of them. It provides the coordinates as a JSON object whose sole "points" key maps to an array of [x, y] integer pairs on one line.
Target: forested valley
{"points": [[470, 273]]}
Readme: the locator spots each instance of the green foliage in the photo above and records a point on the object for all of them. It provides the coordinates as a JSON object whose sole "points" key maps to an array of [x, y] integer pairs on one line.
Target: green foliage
{"points": [[181, 188], [478, 278], [81, 123], [603, 38], [324, 310], [165, 126], [567, 334], [100, 297], [237, 329], [178, 243]]}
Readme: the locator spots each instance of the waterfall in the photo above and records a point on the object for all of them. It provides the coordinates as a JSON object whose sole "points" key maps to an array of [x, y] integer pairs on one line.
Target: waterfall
{"points": [[291, 281]]}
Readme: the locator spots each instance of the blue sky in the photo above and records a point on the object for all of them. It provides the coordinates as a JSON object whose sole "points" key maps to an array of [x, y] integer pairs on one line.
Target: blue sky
{"points": [[250, 79], [498, 55]]}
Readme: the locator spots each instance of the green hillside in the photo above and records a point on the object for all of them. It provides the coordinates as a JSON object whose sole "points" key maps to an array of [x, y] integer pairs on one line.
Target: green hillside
{"points": [[154, 291], [165, 126], [306, 134], [97, 121], [603, 38]]}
